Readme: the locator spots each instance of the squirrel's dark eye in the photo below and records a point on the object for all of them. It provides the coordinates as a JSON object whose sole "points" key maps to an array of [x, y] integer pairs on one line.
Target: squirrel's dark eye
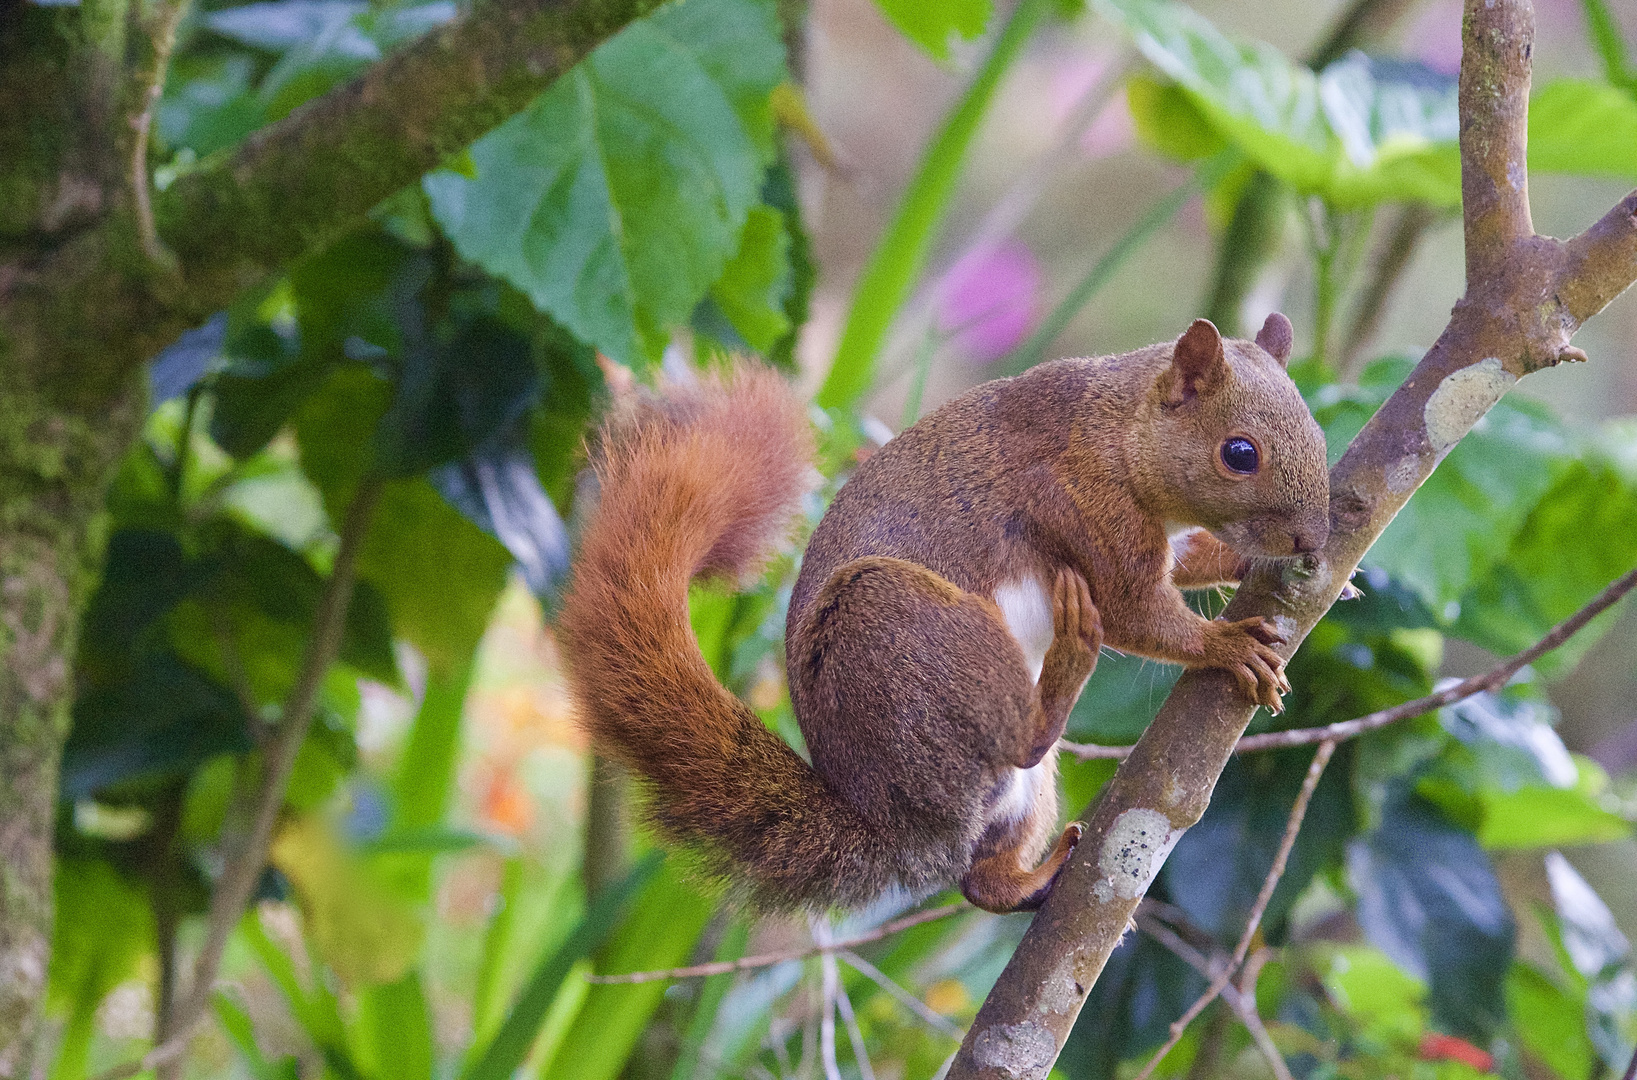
{"points": [[1240, 455]]}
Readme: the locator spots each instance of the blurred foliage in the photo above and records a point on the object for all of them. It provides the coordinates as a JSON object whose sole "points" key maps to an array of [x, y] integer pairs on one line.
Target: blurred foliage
{"points": [[644, 209]]}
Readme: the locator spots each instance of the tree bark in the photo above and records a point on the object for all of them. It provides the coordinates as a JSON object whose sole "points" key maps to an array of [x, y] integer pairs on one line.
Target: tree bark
{"points": [[1526, 295], [82, 307]]}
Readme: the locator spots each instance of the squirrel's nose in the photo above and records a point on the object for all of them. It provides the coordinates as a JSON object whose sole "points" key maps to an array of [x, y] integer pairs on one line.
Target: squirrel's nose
{"points": [[1303, 543]]}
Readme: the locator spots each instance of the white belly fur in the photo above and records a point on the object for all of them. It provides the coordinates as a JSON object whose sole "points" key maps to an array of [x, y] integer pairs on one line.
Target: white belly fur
{"points": [[1027, 784], [1026, 608]]}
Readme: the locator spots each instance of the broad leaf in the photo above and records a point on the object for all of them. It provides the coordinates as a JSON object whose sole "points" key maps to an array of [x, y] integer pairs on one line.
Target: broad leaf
{"points": [[1219, 865], [1362, 131], [1428, 898], [618, 197], [1584, 127]]}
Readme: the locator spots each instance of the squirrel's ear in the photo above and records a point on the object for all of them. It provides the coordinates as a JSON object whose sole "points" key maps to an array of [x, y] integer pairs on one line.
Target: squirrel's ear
{"points": [[1197, 364], [1275, 337]]}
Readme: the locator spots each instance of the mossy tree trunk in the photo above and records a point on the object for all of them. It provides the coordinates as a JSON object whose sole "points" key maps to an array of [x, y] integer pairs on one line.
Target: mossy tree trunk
{"points": [[83, 305]]}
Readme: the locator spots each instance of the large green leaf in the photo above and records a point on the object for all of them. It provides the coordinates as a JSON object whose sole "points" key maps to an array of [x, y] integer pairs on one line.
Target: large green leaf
{"points": [[1580, 126], [505, 1052], [439, 573], [1360, 132], [1452, 929], [618, 197], [661, 931], [931, 23]]}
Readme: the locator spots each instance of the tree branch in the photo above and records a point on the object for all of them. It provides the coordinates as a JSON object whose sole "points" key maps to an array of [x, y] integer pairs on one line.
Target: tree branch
{"points": [[1513, 320], [297, 184]]}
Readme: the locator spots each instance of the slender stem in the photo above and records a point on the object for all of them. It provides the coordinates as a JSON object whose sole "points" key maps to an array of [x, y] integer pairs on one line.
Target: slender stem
{"points": [[1253, 1020], [1493, 679], [1258, 909], [1391, 260], [723, 967], [830, 981], [166, 22], [855, 1037], [1631, 1070], [238, 881], [930, 1016], [917, 388], [902, 251], [1032, 351]]}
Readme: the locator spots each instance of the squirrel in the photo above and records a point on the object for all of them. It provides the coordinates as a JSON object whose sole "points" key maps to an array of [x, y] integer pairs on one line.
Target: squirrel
{"points": [[949, 608]]}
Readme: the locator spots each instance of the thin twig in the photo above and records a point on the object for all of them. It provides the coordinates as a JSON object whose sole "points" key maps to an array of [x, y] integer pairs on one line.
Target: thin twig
{"points": [[1493, 679], [749, 963], [1392, 258], [1631, 1070], [830, 979], [1244, 1009], [238, 881], [166, 22], [1253, 1019], [163, 1054], [861, 1054], [927, 1013], [1293, 826]]}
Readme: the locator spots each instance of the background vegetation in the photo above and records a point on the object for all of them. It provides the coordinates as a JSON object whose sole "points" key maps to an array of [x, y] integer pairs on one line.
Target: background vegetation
{"points": [[891, 203]]}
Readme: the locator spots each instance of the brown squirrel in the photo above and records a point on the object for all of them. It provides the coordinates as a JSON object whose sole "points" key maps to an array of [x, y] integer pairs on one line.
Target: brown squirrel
{"points": [[950, 605]]}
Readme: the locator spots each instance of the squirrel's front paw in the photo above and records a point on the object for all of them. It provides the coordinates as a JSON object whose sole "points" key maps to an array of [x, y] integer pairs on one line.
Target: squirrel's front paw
{"points": [[1077, 633], [1245, 650]]}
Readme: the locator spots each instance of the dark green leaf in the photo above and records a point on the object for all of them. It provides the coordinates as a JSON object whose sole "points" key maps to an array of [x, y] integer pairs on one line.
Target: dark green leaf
{"points": [[1219, 865], [165, 718], [1451, 929]]}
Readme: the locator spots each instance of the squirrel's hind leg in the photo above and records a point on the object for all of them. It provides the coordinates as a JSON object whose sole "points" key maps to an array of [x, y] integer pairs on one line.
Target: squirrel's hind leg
{"points": [[1003, 877]]}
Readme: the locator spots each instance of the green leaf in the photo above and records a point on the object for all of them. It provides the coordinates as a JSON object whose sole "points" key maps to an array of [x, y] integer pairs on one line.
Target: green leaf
{"points": [[618, 197], [1362, 131], [1372, 989], [753, 285], [439, 573], [1452, 930], [1550, 1022], [1584, 127], [1537, 817], [1219, 865], [397, 1027], [931, 23], [506, 1051], [661, 931], [1459, 524], [102, 926], [1580, 535], [1167, 119]]}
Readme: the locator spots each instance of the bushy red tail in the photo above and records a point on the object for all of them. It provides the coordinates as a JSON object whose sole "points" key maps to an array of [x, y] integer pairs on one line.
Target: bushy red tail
{"points": [[704, 481]]}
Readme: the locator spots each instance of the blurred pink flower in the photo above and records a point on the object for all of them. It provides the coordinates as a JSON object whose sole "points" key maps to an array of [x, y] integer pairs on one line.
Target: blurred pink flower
{"points": [[989, 300], [1435, 37], [1112, 131]]}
